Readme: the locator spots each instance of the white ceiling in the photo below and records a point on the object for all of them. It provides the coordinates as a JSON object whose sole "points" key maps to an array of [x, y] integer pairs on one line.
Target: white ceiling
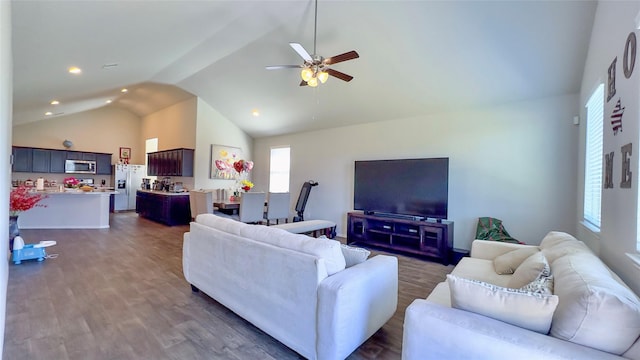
{"points": [[416, 57]]}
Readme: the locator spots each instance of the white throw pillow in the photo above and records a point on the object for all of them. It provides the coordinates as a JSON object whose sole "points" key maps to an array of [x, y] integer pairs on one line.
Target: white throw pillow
{"points": [[508, 263], [520, 308], [354, 255], [533, 267], [541, 285]]}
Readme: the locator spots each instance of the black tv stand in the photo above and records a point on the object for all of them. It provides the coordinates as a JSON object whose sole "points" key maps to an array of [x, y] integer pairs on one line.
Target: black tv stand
{"points": [[433, 239]]}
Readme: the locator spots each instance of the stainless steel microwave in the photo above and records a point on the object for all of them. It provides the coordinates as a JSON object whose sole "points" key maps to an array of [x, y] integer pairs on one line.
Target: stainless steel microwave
{"points": [[80, 167]]}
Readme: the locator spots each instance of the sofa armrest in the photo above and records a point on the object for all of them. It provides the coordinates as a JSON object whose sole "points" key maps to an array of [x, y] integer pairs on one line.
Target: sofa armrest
{"points": [[186, 256], [489, 250], [354, 303], [433, 331]]}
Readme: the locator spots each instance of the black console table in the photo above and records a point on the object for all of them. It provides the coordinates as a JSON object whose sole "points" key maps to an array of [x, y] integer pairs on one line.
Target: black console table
{"points": [[424, 238]]}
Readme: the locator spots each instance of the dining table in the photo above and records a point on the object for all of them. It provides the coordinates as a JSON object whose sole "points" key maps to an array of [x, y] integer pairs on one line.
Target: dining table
{"points": [[227, 205]]}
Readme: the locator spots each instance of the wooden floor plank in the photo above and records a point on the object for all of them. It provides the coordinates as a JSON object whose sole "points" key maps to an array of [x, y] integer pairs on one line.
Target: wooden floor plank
{"points": [[119, 293]]}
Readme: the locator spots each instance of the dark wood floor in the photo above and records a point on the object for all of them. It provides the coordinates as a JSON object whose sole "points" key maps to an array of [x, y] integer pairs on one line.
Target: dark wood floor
{"points": [[120, 294]]}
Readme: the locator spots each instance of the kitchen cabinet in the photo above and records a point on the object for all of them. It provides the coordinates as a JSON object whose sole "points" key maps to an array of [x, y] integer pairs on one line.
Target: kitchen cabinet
{"points": [[74, 155], [103, 164], [175, 162], [89, 156], [37, 160], [41, 160], [22, 159], [57, 160], [167, 208]]}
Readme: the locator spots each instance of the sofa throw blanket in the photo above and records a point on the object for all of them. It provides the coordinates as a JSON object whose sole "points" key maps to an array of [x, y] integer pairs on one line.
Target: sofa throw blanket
{"points": [[492, 229]]}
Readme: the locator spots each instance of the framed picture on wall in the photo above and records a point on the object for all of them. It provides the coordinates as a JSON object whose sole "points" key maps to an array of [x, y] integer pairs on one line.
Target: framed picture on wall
{"points": [[125, 153], [222, 159]]}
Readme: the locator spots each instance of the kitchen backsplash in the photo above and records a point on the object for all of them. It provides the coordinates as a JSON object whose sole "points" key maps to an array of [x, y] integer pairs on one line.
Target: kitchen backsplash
{"points": [[20, 178]]}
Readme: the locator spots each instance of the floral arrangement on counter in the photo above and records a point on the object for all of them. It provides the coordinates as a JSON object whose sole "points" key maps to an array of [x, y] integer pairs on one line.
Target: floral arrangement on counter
{"points": [[246, 185], [71, 182], [21, 199]]}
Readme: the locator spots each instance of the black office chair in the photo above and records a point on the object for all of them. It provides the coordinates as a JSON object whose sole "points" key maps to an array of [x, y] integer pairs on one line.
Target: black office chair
{"points": [[302, 199]]}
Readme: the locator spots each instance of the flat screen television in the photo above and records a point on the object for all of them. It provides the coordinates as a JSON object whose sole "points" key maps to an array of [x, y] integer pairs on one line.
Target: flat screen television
{"points": [[407, 187]]}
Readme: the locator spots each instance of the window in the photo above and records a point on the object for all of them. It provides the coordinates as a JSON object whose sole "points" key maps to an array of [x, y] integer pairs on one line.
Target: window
{"points": [[279, 169], [593, 158], [150, 145]]}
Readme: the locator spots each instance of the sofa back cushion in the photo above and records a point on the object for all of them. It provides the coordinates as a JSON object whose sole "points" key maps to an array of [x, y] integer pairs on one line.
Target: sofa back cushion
{"points": [[557, 244], [326, 249], [594, 309], [534, 267], [507, 263], [223, 224]]}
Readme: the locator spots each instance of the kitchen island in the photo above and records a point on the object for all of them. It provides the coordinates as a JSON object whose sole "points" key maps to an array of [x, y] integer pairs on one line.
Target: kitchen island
{"points": [[165, 207], [69, 210]]}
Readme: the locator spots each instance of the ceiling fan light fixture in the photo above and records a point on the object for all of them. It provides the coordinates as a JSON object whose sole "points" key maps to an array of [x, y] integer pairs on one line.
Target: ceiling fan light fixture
{"points": [[306, 74], [313, 82], [323, 76]]}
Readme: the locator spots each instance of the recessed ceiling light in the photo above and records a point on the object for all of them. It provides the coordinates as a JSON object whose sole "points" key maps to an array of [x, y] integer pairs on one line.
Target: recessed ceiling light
{"points": [[48, 113], [255, 112], [55, 102], [124, 90], [75, 70], [108, 101]]}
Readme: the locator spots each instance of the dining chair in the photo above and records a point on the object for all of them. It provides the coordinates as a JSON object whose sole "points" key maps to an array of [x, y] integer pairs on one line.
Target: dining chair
{"points": [[252, 207], [278, 207], [200, 202]]}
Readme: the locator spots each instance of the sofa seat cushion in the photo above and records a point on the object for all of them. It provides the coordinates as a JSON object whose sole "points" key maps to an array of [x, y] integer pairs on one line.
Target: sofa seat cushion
{"points": [[480, 269], [441, 294], [594, 309], [326, 249], [528, 310]]}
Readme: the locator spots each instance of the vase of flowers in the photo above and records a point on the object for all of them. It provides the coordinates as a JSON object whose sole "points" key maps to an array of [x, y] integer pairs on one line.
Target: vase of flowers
{"points": [[71, 184], [246, 185], [20, 199]]}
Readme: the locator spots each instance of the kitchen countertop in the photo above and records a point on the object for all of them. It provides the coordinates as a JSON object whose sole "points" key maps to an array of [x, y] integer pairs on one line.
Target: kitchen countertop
{"points": [[167, 193]]}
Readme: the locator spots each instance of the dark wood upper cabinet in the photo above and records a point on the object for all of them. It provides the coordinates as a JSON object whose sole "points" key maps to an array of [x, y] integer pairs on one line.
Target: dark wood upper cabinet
{"points": [[175, 162]]}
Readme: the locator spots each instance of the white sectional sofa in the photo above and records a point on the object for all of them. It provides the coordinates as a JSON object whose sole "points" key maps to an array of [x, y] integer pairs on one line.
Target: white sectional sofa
{"points": [[572, 306], [295, 288]]}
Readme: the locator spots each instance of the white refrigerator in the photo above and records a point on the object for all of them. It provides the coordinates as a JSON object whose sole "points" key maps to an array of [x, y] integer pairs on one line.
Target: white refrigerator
{"points": [[127, 179]]}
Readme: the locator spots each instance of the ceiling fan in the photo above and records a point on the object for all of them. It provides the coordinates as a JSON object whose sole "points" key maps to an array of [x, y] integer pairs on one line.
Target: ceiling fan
{"points": [[315, 67]]}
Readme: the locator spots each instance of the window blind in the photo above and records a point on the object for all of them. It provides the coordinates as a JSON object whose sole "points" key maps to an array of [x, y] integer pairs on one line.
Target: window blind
{"points": [[593, 158], [279, 169]]}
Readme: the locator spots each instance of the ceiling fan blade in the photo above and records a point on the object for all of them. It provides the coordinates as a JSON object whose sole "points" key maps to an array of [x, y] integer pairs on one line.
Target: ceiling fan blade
{"points": [[303, 83], [342, 57], [276, 67], [339, 75], [301, 51]]}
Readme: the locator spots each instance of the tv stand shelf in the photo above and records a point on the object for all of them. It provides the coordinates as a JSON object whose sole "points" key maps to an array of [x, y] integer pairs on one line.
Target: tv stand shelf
{"points": [[423, 238]]}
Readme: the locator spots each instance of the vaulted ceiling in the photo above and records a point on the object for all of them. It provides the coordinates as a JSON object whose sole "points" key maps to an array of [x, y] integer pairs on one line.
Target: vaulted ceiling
{"points": [[416, 57]]}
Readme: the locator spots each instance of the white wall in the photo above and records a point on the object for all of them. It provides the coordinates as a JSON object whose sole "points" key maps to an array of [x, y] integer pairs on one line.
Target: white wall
{"points": [[515, 162], [213, 128], [613, 23], [6, 101], [175, 127], [102, 130]]}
